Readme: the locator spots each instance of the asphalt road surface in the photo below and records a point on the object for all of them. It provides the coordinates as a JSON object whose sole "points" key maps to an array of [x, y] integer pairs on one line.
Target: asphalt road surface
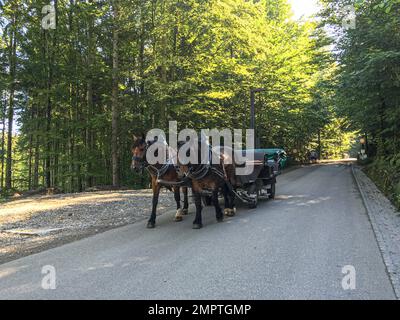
{"points": [[292, 248]]}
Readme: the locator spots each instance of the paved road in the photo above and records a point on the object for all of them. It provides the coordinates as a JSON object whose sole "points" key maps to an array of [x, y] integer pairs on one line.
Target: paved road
{"points": [[290, 248]]}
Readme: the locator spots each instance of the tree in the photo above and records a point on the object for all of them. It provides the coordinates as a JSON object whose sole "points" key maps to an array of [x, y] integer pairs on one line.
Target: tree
{"points": [[10, 34], [115, 91], [368, 73], [115, 68]]}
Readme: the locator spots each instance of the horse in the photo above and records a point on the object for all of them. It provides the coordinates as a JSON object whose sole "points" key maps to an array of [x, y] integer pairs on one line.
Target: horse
{"points": [[211, 178], [162, 175]]}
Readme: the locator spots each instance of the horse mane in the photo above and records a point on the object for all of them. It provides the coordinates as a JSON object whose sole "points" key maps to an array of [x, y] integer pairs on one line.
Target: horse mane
{"points": [[138, 142]]}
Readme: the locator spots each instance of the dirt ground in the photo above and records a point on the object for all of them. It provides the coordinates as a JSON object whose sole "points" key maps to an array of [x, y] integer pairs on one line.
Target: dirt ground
{"points": [[34, 224]]}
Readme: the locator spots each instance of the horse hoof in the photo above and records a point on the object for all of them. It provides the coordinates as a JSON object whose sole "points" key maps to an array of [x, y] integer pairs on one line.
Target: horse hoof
{"points": [[230, 212], [151, 225], [197, 226], [178, 215], [220, 219], [185, 212]]}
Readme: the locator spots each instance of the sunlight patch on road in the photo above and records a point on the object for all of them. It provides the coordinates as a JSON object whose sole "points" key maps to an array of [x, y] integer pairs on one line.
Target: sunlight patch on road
{"points": [[301, 200], [10, 271], [288, 197], [314, 201]]}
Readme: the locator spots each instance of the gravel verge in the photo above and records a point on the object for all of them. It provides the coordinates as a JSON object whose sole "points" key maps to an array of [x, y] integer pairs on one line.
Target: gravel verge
{"points": [[31, 225], [385, 220]]}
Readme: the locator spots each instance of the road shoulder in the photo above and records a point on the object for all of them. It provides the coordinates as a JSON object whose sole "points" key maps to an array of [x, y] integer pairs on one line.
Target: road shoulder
{"points": [[385, 220], [32, 225]]}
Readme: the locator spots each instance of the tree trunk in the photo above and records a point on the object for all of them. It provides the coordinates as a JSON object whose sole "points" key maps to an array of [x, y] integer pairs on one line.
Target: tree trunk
{"points": [[89, 101], [3, 138], [10, 114], [114, 98], [30, 152], [49, 103], [35, 182], [164, 71], [382, 111]]}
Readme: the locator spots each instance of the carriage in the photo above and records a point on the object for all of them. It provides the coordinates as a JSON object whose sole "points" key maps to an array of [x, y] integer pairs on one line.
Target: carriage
{"points": [[207, 180], [259, 185]]}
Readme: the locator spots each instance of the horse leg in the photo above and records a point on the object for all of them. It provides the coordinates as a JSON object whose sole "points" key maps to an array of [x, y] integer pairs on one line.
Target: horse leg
{"points": [[225, 193], [185, 200], [218, 212], [179, 211], [156, 193], [229, 196], [197, 223], [232, 201]]}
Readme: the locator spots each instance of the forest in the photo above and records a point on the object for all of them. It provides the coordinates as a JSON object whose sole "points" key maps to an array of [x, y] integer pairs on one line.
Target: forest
{"points": [[75, 89], [367, 82]]}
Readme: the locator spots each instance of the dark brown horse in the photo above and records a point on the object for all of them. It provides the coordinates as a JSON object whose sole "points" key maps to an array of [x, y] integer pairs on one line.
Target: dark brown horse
{"points": [[162, 175], [211, 179]]}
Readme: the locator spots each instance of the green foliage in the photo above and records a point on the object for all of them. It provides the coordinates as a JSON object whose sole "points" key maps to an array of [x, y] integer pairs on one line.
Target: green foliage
{"points": [[368, 82], [385, 171], [186, 60], [368, 79], [337, 140]]}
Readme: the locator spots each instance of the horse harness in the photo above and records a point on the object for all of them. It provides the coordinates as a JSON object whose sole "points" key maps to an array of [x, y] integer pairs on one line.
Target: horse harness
{"points": [[197, 174]]}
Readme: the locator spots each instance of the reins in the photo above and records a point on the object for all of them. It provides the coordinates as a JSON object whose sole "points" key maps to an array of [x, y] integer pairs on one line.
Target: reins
{"points": [[154, 171], [204, 169]]}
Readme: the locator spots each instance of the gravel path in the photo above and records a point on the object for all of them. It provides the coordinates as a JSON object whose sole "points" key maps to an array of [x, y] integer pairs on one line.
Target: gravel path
{"points": [[38, 223], [385, 220]]}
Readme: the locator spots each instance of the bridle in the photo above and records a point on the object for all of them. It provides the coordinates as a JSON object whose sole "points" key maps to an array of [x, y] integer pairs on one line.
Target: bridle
{"points": [[141, 160], [152, 169]]}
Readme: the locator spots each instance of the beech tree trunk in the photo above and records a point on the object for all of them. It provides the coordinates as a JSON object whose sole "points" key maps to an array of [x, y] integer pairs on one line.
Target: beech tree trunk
{"points": [[114, 98]]}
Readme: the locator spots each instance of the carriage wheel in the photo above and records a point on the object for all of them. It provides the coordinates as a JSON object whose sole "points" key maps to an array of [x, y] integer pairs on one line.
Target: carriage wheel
{"points": [[253, 192], [272, 190], [254, 204]]}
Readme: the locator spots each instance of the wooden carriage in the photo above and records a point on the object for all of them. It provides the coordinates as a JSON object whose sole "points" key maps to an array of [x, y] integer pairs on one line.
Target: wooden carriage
{"points": [[259, 185]]}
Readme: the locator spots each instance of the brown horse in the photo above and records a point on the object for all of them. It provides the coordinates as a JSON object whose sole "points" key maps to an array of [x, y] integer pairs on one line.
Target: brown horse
{"points": [[162, 175], [210, 179]]}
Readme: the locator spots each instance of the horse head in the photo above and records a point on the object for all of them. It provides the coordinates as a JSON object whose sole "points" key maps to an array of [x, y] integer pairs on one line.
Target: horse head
{"points": [[139, 149]]}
